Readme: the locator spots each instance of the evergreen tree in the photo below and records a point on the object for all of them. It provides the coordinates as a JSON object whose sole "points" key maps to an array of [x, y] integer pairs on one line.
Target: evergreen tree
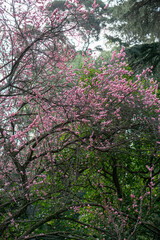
{"points": [[135, 25]]}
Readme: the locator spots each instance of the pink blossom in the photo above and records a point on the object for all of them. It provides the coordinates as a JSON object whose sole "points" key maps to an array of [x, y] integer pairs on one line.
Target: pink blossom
{"points": [[106, 6], [132, 196]]}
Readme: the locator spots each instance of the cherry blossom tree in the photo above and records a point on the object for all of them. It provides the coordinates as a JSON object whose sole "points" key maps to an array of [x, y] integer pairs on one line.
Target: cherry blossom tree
{"points": [[79, 148]]}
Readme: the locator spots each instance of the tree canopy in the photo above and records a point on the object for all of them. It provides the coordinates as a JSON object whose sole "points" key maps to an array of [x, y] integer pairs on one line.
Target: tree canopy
{"points": [[79, 148], [134, 24]]}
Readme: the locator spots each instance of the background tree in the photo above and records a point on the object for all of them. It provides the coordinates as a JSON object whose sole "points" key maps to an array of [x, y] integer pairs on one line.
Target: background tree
{"points": [[95, 21], [134, 24]]}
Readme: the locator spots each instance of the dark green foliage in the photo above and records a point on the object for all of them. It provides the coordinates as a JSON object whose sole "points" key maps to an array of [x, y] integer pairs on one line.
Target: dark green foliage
{"points": [[136, 21], [135, 25], [145, 55]]}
